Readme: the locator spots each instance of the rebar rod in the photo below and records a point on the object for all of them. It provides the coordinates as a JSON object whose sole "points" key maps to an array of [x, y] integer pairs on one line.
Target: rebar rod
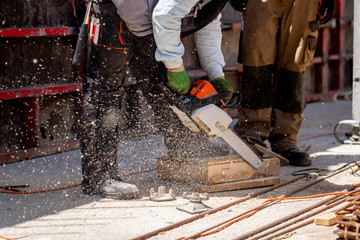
{"points": [[191, 219], [298, 219], [283, 219], [262, 206], [299, 225]]}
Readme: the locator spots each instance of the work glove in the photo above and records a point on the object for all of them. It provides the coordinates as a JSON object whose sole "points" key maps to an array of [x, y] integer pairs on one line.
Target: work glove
{"points": [[221, 84], [178, 79], [239, 5], [325, 11]]}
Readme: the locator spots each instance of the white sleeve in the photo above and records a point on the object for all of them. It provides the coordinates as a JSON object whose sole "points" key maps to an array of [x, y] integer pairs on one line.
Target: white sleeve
{"points": [[166, 18], [208, 44]]}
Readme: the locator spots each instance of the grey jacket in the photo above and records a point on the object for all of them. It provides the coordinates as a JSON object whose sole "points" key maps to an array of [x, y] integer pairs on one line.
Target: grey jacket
{"points": [[137, 14]]}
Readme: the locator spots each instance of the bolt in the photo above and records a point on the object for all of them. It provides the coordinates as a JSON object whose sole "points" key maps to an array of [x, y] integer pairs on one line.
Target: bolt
{"points": [[219, 126]]}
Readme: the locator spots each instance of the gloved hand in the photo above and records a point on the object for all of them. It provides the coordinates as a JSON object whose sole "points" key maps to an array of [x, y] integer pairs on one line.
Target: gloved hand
{"points": [[221, 84], [178, 80], [239, 5]]}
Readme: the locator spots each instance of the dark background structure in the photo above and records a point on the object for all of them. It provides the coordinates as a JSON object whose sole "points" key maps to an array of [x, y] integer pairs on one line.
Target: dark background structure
{"points": [[40, 89]]}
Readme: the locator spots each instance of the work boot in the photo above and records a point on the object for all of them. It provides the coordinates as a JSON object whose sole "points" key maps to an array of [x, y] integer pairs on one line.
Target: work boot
{"points": [[112, 188], [296, 157]]}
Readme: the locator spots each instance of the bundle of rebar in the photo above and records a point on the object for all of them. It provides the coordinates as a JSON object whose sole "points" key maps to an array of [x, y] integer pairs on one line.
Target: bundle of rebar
{"points": [[349, 225]]}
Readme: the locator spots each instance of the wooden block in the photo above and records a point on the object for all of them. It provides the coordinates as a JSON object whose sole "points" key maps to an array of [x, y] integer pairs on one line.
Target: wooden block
{"points": [[327, 219], [213, 171], [244, 184]]}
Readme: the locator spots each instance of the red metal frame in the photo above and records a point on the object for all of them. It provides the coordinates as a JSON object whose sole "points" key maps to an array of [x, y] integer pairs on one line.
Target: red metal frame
{"points": [[31, 116], [35, 32], [38, 152], [31, 92]]}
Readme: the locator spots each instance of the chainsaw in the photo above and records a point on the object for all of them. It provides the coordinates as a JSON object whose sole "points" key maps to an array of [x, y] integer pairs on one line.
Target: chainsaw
{"points": [[203, 109]]}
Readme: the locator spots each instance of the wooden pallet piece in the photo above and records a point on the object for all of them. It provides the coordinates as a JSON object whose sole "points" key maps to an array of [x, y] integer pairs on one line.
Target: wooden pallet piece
{"points": [[327, 219], [214, 171], [230, 186]]}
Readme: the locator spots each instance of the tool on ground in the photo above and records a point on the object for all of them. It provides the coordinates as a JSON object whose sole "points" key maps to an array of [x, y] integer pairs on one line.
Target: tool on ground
{"points": [[352, 137], [83, 36], [212, 119], [271, 153], [195, 205], [161, 195]]}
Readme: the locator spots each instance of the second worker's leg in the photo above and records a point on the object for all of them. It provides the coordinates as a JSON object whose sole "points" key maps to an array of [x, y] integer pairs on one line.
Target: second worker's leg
{"points": [[255, 108], [287, 116]]}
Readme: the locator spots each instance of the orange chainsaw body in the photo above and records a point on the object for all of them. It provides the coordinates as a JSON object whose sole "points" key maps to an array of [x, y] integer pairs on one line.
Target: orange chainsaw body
{"points": [[202, 89]]}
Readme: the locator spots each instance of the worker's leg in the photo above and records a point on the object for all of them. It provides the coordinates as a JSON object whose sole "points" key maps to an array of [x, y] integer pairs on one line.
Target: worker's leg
{"points": [[259, 45], [287, 118], [104, 77], [296, 49], [254, 117]]}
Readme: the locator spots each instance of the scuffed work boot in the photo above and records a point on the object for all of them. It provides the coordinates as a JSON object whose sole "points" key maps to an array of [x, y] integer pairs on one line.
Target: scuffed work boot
{"points": [[114, 189], [296, 157]]}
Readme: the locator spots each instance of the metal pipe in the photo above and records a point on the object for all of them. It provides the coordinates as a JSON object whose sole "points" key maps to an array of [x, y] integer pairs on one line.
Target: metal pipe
{"points": [[356, 63]]}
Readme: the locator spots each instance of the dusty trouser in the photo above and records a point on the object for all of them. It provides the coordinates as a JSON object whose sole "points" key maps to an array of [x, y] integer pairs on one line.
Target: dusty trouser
{"points": [[278, 43]]}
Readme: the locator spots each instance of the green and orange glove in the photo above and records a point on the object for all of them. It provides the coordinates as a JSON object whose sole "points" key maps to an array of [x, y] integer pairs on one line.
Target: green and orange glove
{"points": [[221, 84], [178, 79]]}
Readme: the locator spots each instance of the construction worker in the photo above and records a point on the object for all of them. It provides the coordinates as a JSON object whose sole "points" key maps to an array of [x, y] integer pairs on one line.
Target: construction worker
{"points": [[109, 55], [278, 43]]}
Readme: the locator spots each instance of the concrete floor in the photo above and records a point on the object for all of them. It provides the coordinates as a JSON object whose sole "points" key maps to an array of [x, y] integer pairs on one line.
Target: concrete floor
{"points": [[68, 214]]}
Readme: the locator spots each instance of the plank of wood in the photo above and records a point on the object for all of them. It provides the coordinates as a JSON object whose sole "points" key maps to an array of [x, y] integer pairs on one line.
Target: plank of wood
{"points": [[215, 170], [244, 184], [327, 219]]}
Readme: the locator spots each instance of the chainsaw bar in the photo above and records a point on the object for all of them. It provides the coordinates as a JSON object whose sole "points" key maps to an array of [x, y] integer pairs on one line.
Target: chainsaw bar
{"points": [[215, 122]]}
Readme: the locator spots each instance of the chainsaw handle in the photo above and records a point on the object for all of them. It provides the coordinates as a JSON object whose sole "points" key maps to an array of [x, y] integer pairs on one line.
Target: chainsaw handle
{"points": [[234, 101]]}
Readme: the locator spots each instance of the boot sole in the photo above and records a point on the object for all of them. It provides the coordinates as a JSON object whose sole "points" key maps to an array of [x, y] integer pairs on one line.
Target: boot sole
{"points": [[122, 196]]}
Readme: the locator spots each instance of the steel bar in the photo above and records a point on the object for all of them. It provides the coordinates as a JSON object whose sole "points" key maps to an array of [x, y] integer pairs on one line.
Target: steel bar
{"points": [[237, 216], [266, 234], [191, 219], [299, 225], [356, 64], [334, 203], [262, 206], [283, 219]]}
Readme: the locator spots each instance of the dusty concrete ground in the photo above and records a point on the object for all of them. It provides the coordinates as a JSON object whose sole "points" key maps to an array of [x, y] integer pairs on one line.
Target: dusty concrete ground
{"points": [[68, 214]]}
